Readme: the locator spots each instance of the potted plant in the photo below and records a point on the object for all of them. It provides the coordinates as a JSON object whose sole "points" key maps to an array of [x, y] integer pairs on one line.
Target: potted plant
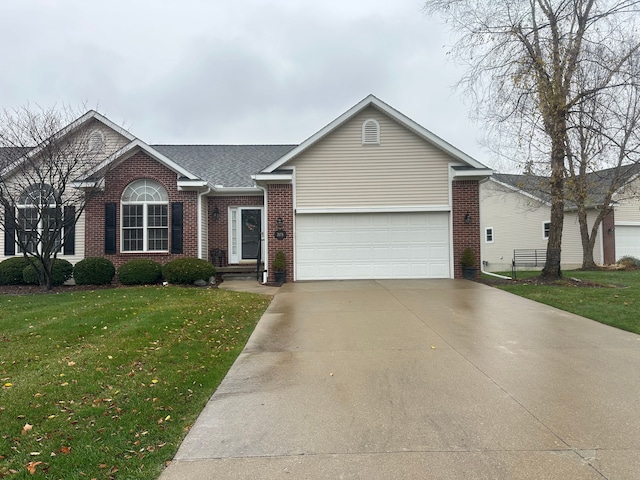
{"points": [[280, 267], [468, 263]]}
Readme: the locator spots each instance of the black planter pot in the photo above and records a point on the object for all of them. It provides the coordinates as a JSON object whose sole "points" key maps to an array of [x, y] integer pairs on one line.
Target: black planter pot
{"points": [[280, 277], [469, 273]]}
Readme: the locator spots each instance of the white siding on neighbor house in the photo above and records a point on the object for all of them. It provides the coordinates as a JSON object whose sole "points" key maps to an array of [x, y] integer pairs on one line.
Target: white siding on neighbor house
{"points": [[627, 208], [79, 247], [340, 172], [517, 222]]}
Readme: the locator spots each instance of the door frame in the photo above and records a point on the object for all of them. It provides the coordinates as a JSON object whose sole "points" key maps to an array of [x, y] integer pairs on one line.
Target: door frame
{"points": [[235, 232]]}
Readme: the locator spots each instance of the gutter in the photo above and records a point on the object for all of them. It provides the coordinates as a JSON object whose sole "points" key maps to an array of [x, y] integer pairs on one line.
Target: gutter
{"points": [[495, 275]]}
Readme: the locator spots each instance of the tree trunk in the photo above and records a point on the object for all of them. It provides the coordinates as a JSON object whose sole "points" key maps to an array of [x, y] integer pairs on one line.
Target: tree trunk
{"points": [[551, 270]]}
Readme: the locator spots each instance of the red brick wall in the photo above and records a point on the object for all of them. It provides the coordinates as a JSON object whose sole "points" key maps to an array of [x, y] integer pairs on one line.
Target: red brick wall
{"points": [[136, 167], [280, 198], [465, 198], [218, 229], [609, 239]]}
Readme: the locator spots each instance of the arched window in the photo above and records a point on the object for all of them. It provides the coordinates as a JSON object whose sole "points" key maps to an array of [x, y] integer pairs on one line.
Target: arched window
{"points": [[370, 132], [145, 217], [39, 219]]}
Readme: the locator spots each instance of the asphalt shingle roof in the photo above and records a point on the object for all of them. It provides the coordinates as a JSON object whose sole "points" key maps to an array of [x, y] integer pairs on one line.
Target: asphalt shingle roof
{"points": [[226, 165], [599, 182]]}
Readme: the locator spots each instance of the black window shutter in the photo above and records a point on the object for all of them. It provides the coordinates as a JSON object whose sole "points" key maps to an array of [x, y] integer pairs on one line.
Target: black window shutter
{"points": [[176, 227], [69, 230], [9, 232], [110, 228]]}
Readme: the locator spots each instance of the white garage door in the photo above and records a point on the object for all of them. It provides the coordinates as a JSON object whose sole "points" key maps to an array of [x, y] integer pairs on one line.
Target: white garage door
{"points": [[372, 245], [627, 241]]}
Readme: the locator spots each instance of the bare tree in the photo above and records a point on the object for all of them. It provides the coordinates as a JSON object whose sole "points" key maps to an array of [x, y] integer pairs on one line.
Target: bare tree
{"points": [[45, 153], [603, 149], [522, 58]]}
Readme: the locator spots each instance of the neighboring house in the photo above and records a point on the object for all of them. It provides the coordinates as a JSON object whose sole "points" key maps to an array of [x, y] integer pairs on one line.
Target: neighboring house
{"points": [[371, 195], [516, 209]]}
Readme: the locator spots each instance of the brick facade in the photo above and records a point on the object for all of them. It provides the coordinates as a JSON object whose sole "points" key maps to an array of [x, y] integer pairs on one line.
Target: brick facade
{"points": [[280, 198], [465, 199], [138, 166]]}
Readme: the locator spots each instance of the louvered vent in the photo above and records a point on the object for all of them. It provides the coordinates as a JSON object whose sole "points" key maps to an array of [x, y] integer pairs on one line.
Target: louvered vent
{"points": [[96, 142], [371, 132]]}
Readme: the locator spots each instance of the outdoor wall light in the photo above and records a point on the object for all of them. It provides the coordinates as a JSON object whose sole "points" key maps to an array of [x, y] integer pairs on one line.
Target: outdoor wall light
{"points": [[216, 213], [279, 221], [467, 218]]}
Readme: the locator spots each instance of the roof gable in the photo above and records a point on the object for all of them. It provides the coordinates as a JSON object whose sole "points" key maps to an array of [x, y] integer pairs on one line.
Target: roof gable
{"points": [[372, 101]]}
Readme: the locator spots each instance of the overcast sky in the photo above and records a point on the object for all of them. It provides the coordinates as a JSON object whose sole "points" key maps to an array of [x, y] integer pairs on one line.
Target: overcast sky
{"points": [[233, 71]]}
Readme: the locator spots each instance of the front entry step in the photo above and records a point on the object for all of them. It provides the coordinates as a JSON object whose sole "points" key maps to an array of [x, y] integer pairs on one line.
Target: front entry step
{"points": [[238, 272]]}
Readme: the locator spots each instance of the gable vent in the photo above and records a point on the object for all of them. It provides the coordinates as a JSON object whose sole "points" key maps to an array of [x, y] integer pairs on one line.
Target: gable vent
{"points": [[96, 142], [371, 132]]}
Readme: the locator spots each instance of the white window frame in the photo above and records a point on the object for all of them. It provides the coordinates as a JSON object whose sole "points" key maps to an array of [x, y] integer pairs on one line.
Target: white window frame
{"points": [[23, 206], [367, 135], [488, 230], [162, 201], [235, 232], [546, 230]]}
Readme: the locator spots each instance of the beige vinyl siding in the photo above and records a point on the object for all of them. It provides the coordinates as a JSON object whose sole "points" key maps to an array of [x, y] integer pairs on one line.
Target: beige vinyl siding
{"points": [[340, 172], [517, 222], [627, 209], [79, 247], [204, 221]]}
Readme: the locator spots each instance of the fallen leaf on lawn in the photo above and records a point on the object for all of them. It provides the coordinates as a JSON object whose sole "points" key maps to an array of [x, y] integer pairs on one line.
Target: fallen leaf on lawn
{"points": [[34, 454], [71, 364], [103, 465], [64, 384], [7, 385], [66, 450], [26, 428], [155, 380], [31, 466]]}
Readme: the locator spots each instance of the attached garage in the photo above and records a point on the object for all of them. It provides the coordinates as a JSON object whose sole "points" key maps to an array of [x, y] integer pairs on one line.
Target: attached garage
{"points": [[627, 241], [372, 245]]}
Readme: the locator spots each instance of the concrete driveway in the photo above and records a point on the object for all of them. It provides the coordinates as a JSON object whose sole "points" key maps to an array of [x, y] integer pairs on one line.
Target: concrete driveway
{"points": [[437, 379]]}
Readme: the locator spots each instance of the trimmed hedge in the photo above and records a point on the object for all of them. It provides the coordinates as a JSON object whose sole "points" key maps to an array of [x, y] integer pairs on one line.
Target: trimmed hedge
{"points": [[60, 273], [94, 271], [11, 270], [140, 272], [185, 271]]}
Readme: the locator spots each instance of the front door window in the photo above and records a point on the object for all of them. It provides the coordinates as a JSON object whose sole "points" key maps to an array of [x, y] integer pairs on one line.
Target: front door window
{"points": [[245, 231], [251, 227]]}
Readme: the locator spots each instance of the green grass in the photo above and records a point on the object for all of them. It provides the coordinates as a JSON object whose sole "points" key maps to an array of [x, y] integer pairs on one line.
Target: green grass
{"points": [[617, 305], [105, 384]]}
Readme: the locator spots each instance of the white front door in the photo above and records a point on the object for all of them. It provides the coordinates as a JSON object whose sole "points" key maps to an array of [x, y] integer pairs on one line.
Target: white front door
{"points": [[245, 234]]}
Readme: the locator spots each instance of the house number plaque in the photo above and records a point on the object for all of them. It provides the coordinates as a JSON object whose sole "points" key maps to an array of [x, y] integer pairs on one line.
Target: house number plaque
{"points": [[280, 234]]}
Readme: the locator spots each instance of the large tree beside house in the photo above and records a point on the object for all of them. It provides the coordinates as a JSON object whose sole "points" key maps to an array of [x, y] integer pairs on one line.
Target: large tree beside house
{"points": [[45, 157], [532, 64]]}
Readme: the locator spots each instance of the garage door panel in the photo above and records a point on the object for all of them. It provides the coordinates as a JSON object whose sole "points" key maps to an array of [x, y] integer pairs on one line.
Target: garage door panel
{"points": [[392, 245], [627, 241]]}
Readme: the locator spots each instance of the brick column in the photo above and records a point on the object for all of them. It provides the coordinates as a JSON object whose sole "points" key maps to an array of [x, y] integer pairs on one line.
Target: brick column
{"points": [[280, 205], [465, 199]]}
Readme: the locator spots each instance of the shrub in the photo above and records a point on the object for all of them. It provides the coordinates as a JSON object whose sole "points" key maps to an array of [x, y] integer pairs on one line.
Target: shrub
{"points": [[627, 261], [468, 258], [60, 273], [140, 272], [94, 271], [279, 261], [187, 270], [11, 270]]}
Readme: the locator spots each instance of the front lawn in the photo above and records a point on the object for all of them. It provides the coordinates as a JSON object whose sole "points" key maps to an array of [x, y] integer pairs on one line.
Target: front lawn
{"points": [[105, 384], [617, 305]]}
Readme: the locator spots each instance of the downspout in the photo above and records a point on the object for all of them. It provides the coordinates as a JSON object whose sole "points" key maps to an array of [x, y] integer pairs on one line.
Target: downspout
{"points": [[265, 240], [493, 274], [200, 240]]}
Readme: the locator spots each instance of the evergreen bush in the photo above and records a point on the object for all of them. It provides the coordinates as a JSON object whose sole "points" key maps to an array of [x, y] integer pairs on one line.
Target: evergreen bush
{"points": [[60, 273], [185, 271], [140, 272], [11, 270], [94, 271]]}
